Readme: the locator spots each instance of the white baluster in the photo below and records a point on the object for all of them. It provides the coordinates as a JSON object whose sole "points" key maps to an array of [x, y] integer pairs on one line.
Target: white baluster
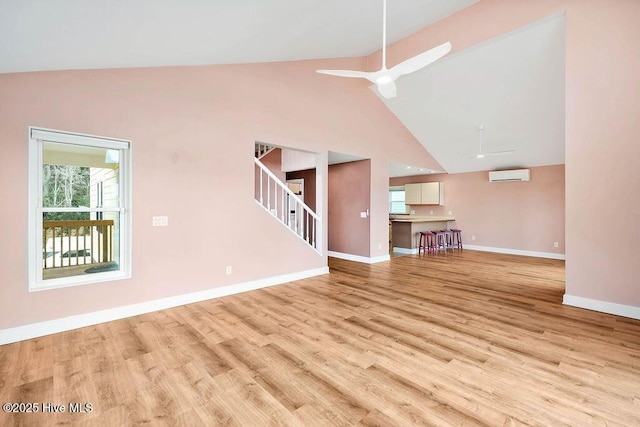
{"points": [[261, 200], [307, 224], [300, 222], [269, 193]]}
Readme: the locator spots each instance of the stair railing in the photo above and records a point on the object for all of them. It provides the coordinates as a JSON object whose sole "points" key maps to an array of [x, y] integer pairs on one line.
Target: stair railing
{"points": [[263, 149], [284, 205]]}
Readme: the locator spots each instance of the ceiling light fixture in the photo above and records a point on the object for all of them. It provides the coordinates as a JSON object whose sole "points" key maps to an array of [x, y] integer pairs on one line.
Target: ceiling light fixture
{"points": [[383, 80]]}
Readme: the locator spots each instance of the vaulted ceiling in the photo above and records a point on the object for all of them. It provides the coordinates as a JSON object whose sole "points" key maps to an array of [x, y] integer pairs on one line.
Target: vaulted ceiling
{"points": [[40, 35], [512, 85]]}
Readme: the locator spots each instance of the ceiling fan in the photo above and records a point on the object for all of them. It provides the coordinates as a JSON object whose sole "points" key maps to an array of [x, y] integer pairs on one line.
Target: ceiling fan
{"points": [[481, 154], [384, 78]]}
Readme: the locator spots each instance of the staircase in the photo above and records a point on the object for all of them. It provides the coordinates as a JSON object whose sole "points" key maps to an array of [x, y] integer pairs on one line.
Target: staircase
{"points": [[262, 150], [285, 206]]}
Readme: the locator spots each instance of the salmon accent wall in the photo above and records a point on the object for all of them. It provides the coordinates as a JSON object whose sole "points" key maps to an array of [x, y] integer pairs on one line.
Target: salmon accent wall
{"points": [[273, 161], [193, 131], [309, 176], [527, 216], [349, 194], [602, 128]]}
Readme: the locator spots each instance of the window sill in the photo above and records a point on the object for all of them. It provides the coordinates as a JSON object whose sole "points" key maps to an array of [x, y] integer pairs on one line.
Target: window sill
{"points": [[65, 282]]}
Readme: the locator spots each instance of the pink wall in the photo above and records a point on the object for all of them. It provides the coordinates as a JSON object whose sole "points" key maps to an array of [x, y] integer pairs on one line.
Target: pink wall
{"points": [[379, 238], [193, 141], [193, 147], [603, 150], [602, 128], [349, 194], [510, 215]]}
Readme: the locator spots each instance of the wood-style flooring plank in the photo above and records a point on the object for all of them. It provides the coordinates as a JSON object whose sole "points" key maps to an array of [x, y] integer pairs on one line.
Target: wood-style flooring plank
{"points": [[469, 338]]}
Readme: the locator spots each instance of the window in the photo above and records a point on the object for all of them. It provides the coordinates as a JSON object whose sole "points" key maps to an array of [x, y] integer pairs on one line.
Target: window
{"points": [[99, 198], [396, 200], [79, 209]]}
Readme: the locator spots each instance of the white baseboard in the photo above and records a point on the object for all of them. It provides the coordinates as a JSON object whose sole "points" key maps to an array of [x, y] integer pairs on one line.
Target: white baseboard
{"points": [[405, 250], [536, 254], [492, 249], [381, 258], [358, 258], [602, 306], [40, 329]]}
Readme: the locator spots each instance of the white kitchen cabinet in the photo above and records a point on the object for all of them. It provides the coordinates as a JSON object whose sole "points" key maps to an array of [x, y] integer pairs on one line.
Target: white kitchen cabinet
{"points": [[426, 193], [413, 194]]}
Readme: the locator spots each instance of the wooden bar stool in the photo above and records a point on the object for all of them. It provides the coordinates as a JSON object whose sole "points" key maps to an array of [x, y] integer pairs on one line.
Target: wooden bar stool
{"points": [[426, 242], [456, 238]]}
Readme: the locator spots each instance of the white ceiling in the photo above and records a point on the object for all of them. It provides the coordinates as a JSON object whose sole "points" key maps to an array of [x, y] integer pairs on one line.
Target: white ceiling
{"points": [[399, 169], [38, 35], [335, 158], [513, 85]]}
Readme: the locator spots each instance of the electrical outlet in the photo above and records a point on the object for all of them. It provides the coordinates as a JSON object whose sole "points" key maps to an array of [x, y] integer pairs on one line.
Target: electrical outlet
{"points": [[229, 270], [473, 237], [413, 212], [555, 244], [379, 245], [450, 213], [430, 212], [363, 214]]}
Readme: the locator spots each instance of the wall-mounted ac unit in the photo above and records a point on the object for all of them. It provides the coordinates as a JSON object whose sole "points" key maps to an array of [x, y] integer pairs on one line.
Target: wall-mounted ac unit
{"points": [[509, 175]]}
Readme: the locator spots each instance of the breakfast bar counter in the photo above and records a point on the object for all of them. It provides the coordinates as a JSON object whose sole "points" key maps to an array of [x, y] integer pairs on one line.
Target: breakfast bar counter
{"points": [[405, 229]]}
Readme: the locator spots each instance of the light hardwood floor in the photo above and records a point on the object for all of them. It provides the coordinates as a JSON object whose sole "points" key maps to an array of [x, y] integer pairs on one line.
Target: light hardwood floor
{"points": [[467, 339]]}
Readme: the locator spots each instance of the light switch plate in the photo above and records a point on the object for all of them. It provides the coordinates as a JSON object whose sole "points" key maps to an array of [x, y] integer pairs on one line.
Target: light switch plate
{"points": [[363, 214], [160, 221]]}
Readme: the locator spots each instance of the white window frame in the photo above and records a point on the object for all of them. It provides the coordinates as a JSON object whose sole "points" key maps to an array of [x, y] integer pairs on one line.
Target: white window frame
{"points": [[392, 190], [37, 136]]}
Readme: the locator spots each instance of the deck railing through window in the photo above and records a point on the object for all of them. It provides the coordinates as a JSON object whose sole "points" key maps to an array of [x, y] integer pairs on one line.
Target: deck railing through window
{"points": [[77, 242]]}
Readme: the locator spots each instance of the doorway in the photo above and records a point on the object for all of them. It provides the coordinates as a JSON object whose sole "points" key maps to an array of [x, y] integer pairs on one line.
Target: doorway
{"points": [[295, 210]]}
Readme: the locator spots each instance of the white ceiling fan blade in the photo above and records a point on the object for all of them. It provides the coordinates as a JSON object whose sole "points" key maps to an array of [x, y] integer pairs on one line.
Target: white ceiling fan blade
{"points": [[499, 153], [493, 153], [387, 90], [385, 79], [349, 73], [421, 60]]}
